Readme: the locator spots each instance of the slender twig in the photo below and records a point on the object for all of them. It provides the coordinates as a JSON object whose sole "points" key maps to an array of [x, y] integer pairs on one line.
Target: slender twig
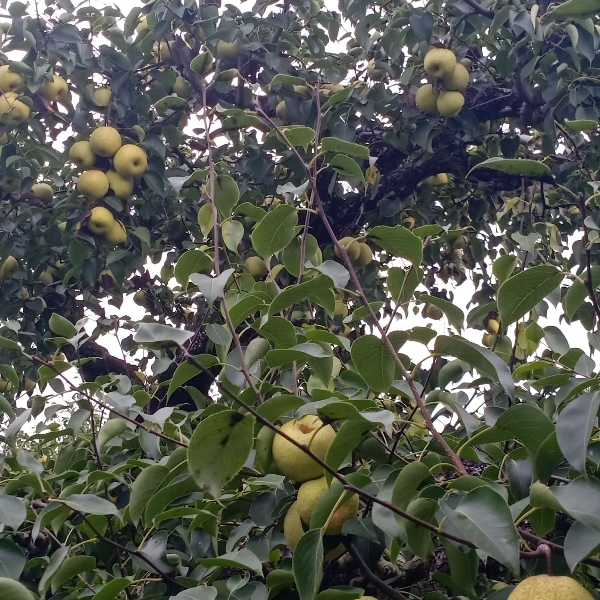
{"points": [[588, 259]]}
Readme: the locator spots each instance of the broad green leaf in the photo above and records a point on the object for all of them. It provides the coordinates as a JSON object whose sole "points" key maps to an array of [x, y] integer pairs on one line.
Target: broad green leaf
{"points": [[574, 428], [374, 362], [186, 371], [331, 144], [524, 291], [578, 292], [143, 488], [454, 313], [581, 500], [582, 124], [247, 306], [61, 326], [152, 333], [481, 358], [15, 590], [483, 517], [233, 232], [294, 294], [291, 254], [241, 559], [218, 449], [576, 8], [284, 79], [226, 194], [12, 511], [90, 504], [399, 241], [301, 352], [279, 331], [166, 494], [170, 103], [347, 438], [418, 538], [308, 564], [276, 406], [55, 561], [7, 344], [299, 135], [463, 563], [201, 592], [111, 429], [503, 267], [70, 568], [347, 166], [12, 559], [211, 287], [548, 456], [275, 231], [112, 589], [581, 541], [524, 167], [192, 261], [405, 488]]}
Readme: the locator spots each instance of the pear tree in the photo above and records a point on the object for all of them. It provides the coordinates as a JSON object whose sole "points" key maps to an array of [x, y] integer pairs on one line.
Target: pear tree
{"points": [[299, 300]]}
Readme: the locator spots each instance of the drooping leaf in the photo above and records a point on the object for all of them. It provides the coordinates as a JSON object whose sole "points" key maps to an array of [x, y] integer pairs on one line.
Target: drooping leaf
{"points": [[308, 564], [399, 241], [374, 361], [330, 144], [12, 511], [144, 486], [515, 166], [226, 194], [90, 504]]}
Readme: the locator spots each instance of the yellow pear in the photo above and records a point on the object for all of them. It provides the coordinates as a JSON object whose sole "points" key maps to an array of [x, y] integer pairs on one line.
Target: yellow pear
{"points": [[439, 179], [493, 326], [10, 266], [93, 184], [43, 191], [426, 99], [10, 184], [440, 62], [365, 256], [101, 220], [24, 293], [450, 103], [293, 531], [340, 309], [10, 81], [256, 266], [56, 90], [105, 141], [182, 87], [457, 81], [328, 89], [121, 186], [81, 155], [308, 496], [103, 96], [117, 234], [46, 277], [130, 161], [292, 461], [227, 49], [549, 588], [9, 103], [282, 112], [165, 53], [352, 248], [142, 25]]}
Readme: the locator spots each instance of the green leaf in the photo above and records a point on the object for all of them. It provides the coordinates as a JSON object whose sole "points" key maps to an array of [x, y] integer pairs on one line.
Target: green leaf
{"points": [[548, 456], [582, 124], [12, 511], [294, 294], [7, 344], [346, 166], [226, 194], [574, 428], [503, 267], [192, 261], [55, 561], [170, 103], [454, 313], [331, 144], [418, 538], [279, 331], [70, 568], [241, 559], [581, 541], [347, 438], [308, 564], [576, 8], [152, 333], [201, 592], [289, 80], [111, 429], [483, 517], [406, 486], [276, 406], [338, 97], [581, 499], [143, 488], [61, 326], [90, 504], [528, 424], [524, 291], [515, 166], [464, 564], [112, 589], [186, 371], [219, 447], [401, 290], [301, 353], [399, 241], [247, 306], [578, 292], [374, 362], [299, 135], [12, 559], [275, 231], [481, 358]]}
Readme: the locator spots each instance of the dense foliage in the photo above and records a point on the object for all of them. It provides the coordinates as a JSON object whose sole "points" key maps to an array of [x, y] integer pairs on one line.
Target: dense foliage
{"points": [[246, 259]]}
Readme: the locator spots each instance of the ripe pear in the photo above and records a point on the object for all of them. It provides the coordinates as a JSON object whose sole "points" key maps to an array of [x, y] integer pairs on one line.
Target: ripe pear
{"points": [[105, 141], [93, 184], [43, 191], [130, 161], [46, 277], [293, 531], [282, 112], [550, 588], [121, 186], [308, 496], [458, 80], [440, 62], [292, 461], [182, 87], [331, 88], [352, 248], [227, 49], [256, 266], [340, 309], [81, 155], [439, 179], [165, 53], [433, 312], [365, 256], [450, 103], [426, 99], [117, 234], [493, 326], [101, 220], [10, 81], [103, 96], [56, 90], [9, 103], [10, 266], [24, 293]]}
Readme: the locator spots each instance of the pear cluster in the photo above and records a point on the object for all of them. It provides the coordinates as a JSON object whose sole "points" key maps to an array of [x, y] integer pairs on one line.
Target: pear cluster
{"points": [[302, 468], [358, 252], [449, 80], [128, 162]]}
